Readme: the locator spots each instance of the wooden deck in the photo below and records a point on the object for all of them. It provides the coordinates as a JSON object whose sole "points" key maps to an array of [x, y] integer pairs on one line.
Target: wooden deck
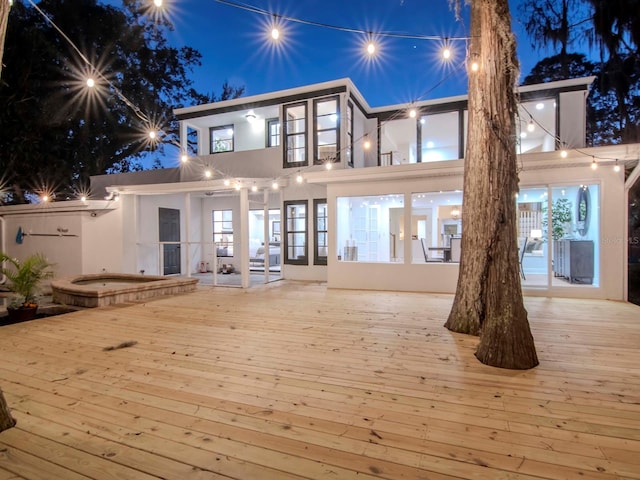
{"points": [[294, 381]]}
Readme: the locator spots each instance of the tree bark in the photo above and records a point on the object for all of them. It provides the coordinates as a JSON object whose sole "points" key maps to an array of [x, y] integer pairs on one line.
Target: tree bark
{"points": [[5, 6], [488, 299], [6, 420]]}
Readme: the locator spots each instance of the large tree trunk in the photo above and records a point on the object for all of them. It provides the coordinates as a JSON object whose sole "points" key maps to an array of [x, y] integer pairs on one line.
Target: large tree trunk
{"points": [[5, 6], [6, 420], [488, 298]]}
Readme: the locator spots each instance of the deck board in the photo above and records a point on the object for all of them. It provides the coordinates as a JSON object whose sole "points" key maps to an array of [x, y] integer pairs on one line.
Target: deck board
{"points": [[293, 381]]}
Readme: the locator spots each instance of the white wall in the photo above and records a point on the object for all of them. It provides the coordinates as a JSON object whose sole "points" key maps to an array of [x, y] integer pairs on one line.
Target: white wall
{"points": [[573, 119], [102, 246]]}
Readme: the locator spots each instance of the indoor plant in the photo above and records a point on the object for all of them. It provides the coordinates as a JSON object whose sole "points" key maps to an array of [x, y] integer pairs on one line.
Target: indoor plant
{"points": [[24, 279]]}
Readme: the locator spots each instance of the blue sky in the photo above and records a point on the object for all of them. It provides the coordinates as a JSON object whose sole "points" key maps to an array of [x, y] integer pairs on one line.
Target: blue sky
{"points": [[235, 46]]}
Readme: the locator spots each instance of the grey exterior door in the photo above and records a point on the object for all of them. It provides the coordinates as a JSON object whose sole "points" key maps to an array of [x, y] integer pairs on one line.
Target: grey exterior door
{"points": [[169, 222]]}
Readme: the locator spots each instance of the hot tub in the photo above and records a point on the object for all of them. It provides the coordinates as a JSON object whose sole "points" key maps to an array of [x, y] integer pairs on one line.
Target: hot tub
{"points": [[99, 289]]}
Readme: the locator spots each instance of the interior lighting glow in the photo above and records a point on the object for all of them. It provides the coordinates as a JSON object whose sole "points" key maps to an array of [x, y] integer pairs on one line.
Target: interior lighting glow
{"points": [[523, 134], [539, 106]]}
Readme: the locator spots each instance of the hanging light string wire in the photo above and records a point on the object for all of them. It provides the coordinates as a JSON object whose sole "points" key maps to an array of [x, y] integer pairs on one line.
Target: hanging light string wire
{"points": [[253, 9]]}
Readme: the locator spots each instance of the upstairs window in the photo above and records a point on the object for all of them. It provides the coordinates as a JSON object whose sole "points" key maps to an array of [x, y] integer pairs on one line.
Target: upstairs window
{"points": [[327, 144], [295, 132], [221, 139], [273, 132]]}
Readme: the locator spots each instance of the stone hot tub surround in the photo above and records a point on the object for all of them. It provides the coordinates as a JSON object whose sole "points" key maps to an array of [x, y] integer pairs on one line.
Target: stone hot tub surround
{"points": [[100, 289]]}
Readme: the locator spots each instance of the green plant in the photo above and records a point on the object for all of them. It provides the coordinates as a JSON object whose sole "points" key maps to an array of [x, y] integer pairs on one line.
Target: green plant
{"points": [[560, 217], [25, 277]]}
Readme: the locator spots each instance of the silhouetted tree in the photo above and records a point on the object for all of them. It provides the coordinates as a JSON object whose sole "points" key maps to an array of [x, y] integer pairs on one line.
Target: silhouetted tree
{"points": [[53, 124]]}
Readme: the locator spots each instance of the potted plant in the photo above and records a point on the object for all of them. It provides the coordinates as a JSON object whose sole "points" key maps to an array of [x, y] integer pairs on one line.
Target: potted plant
{"points": [[24, 279], [560, 218]]}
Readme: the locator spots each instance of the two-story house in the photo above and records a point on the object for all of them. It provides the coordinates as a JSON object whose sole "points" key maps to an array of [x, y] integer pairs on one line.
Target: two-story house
{"points": [[313, 184]]}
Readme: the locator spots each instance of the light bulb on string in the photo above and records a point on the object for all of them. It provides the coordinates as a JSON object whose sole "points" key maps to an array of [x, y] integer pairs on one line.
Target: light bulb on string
{"points": [[275, 185], [367, 143], [227, 182], [328, 165], [237, 186], [157, 3], [254, 188], [475, 66], [563, 153], [208, 173], [413, 113], [299, 178], [616, 167], [152, 134], [184, 158], [594, 164], [83, 199], [446, 50], [91, 82], [531, 126], [275, 29]]}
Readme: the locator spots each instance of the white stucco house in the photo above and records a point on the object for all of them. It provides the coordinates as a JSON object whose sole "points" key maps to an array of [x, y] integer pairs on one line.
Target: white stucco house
{"points": [[387, 214]]}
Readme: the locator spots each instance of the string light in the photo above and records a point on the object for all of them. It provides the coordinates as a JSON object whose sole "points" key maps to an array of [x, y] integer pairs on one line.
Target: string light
{"points": [[237, 186], [367, 143], [594, 164], [227, 182], [83, 199], [299, 178], [474, 66], [563, 153], [184, 158], [446, 53], [91, 82], [328, 165], [208, 173], [616, 167], [275, 185], [254, 188], [413, 113], [152, 135], [157, 3], [531, 126]]}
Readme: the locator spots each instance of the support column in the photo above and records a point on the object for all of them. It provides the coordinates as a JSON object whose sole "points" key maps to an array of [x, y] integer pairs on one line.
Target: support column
{"points": [[244, 238], [187, 233], [267, 240]]}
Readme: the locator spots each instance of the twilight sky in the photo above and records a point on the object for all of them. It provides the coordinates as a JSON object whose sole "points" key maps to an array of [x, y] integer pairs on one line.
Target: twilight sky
{"points": [[236, 47]]}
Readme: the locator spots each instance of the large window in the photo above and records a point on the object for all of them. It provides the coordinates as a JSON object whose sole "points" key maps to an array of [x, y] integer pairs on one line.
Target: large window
{"points": [[436, 226], [537, 126], [221, 139], [439, 137], [320, 231], [370, 229], [273, 132], [326, 129], [223, 232], [295, 233], [295, 132]]}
